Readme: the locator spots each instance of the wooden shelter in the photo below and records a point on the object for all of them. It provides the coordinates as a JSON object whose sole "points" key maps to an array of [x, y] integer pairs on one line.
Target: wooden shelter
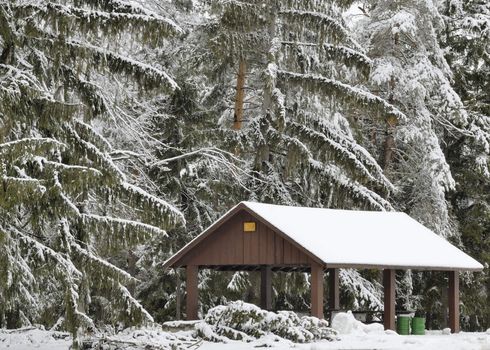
{"points": [[264, 237]]}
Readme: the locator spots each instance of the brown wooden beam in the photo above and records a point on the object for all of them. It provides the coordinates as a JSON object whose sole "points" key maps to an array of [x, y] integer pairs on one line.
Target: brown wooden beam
{"points": [[317, 290], [453, 301], [389, 286], [178, 300], [266, 287], [333, 289], [192, 291]]}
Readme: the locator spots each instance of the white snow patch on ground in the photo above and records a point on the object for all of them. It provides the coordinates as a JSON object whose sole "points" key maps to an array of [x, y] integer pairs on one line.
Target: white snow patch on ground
{"points": [[32, 338], [354, 335]]}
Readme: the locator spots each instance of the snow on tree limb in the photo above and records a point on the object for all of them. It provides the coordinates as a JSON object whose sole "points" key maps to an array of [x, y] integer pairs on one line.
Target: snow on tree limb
{"points": [[357, 190], [145, 74], [327, 26], [88, 132], [337, 53], [150, 25], [147, 200], [368, 293], [121, 225], [357, 156], [336, 176], [62, 265], [133, 305], [32, 145], [15, 188], [105, 267], [345, 92], [116, 6]]}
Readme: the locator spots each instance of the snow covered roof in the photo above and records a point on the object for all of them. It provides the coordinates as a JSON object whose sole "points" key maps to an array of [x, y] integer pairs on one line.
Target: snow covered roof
{"points": [[358, 239]]}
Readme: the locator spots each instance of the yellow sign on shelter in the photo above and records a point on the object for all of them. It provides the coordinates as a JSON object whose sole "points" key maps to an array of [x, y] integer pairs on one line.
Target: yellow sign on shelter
{"points": [[249, 226]]}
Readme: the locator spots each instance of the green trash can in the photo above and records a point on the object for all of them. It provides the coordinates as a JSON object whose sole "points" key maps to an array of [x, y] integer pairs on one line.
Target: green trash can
{"points": [[418, 325], [403, 324]]}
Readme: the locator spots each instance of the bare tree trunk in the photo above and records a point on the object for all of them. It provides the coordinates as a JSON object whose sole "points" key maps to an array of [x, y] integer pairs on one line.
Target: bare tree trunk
{"points": [[240, 95], [132, 259], [390, 145]]}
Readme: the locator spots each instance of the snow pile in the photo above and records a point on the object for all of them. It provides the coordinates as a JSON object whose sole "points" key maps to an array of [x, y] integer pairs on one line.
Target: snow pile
{"points": [[147, 338], [345, 323], [31, 337], [242, 321]]}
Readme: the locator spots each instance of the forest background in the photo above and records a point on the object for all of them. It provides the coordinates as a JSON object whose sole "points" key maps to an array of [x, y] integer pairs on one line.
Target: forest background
{"points": [[126, 128]]}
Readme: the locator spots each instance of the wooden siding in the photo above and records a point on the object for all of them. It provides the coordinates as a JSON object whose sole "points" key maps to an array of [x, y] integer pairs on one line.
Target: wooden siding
{"points": [[230, 245]]}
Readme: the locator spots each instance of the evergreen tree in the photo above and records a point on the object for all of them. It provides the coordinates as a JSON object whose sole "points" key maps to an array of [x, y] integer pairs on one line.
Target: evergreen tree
{"points": [[467, 41], [67, 204], [274, 114], [412, 72]]}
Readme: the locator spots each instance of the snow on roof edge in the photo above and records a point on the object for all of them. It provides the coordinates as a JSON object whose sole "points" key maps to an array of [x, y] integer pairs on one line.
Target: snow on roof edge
{"points": [[252, 206], [471, 264]]}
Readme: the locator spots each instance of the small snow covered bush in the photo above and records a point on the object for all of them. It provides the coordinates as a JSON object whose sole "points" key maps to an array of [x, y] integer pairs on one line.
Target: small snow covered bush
{"points": [[242, 321]]}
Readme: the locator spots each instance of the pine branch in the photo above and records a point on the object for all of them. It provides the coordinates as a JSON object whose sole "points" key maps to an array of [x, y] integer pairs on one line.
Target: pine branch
{"points": [[78, 170], [317, 5], [101, 159], [7, 32], [122, 227], [343, 92], [133, 306], [33, 146], [326, 26], [350, 57], [352, 146], [87, 132], [18, 190], [22, 94], [169, 215], [355, 190], [88, 92], [244, 16], [63, 267], [114, 6], [103, 267], [341, 150], [147, 76], [148, 26]]}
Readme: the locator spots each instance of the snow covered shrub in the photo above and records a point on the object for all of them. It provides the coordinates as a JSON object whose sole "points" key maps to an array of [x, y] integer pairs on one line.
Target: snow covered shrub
{"points": [[238, 315], [242, 321], [318, 328], [219, 334]]}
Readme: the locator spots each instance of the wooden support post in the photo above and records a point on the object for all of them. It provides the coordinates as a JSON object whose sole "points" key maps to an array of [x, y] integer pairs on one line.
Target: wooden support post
{"points": [[266, 287], [317, 290], [389, 298], [453, 301], [192, 291], [178, 300], [333, 289]]}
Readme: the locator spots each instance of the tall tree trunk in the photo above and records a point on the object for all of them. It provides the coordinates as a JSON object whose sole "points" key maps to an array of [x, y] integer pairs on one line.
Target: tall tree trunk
{"points": [[389, 146], [240, 95]]}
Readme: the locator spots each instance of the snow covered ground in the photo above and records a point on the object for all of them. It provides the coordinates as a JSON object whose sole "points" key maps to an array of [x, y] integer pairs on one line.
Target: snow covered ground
{"points": [[352, 335], [45, 340]]}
